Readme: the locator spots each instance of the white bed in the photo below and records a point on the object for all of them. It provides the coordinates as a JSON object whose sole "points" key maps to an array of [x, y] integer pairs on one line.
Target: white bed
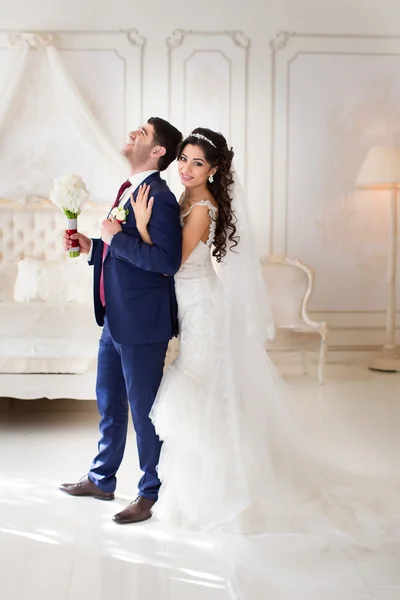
{"points": [[48, 335], [40, 338]]}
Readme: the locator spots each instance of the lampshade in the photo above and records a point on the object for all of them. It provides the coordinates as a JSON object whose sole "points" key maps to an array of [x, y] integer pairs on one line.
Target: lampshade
{"points": [[381, 167]]}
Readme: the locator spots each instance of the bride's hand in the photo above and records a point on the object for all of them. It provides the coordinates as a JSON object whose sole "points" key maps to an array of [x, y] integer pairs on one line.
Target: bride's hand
{"points": [[142, 207]]}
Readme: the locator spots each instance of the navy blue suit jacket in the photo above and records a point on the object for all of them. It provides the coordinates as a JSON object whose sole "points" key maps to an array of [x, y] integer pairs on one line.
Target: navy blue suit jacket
{"points": [[138, 278]]}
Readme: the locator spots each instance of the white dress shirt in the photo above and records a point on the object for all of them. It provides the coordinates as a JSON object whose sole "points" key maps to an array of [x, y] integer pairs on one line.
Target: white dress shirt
{"points": [[135, 180]]}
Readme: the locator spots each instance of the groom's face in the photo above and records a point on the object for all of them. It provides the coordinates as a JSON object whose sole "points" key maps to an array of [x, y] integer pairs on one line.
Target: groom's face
{"points": [[140, 145]]}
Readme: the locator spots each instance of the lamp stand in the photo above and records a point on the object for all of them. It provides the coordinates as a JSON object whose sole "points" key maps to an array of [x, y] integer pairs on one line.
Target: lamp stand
{"points": [[389, 358]]}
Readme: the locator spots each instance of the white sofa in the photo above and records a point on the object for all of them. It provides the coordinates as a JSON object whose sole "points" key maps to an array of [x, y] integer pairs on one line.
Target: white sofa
{"points": [[48, 335]]}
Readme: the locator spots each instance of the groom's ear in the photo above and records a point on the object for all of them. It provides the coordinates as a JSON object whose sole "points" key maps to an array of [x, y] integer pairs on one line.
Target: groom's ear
{"points": [[158, 152]]}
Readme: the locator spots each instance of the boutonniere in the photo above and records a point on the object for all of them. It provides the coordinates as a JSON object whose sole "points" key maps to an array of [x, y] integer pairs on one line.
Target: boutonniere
{"points": [[120, 214]]}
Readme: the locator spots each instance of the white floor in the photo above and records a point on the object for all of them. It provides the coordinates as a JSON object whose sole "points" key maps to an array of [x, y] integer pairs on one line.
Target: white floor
{"points": [[54, 547]]}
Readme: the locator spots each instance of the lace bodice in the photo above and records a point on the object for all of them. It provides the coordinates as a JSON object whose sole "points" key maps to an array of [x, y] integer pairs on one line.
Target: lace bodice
{"points": [[201, 255]]}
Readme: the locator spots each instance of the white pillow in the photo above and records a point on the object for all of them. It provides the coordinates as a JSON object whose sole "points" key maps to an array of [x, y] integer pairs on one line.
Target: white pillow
{"points": [[53, 282], [8, 275]]}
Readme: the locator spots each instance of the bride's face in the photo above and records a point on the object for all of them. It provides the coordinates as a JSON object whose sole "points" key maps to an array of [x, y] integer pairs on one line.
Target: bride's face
{"points": [[193, 168]]}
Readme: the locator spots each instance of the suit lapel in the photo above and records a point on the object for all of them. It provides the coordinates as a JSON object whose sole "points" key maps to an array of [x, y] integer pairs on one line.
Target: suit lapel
{"points": [[148, 180]]}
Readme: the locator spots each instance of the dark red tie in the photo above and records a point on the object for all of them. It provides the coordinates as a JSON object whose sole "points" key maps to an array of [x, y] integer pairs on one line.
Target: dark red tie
{"points": [[121, 190]]}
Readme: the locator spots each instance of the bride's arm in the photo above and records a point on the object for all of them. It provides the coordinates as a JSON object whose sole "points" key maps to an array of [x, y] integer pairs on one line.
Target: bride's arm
{"points": [[142, 208], [144, 234], [196, 226]]}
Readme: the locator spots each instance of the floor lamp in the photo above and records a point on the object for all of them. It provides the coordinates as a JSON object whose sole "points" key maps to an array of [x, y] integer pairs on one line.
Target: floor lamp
{"points": [[381, 171]]}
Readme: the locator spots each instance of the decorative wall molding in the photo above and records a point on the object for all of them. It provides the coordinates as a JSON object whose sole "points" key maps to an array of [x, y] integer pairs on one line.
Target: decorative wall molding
{"points": [[135, 38], [178, 35], [349, 328], [176, 39], [188, 50], [128, 44], [358, 330], [280, 40], [285, 48]]}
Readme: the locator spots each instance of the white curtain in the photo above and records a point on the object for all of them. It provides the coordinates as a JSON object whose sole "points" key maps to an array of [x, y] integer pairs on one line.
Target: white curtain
{"points": [[68, 96], [12, 83], [75, 105]]}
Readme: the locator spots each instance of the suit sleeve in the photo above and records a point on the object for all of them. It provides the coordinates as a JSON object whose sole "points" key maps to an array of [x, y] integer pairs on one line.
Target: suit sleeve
{"points": [[165, 255]]}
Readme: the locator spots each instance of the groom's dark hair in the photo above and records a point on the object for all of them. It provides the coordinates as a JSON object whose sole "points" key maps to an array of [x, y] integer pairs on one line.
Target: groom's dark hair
{"points": [[167, 136]]}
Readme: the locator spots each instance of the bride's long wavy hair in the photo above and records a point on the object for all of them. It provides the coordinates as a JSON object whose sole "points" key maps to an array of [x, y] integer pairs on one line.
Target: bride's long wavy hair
{"points": [[221, 158]]}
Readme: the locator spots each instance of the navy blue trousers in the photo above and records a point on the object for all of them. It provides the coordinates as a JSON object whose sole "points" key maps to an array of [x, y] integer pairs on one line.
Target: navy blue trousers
{"points": [[128, 376]]}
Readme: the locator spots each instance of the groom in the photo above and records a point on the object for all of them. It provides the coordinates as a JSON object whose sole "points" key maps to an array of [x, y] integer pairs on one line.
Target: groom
{"points": [[136, 304]]}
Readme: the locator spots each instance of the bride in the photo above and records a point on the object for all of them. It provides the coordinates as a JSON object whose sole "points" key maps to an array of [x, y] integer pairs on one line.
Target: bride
{"points": [[233, 457]]}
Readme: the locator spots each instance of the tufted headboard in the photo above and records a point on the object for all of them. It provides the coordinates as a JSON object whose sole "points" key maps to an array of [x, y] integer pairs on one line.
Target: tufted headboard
{"points": [[36, 229]]}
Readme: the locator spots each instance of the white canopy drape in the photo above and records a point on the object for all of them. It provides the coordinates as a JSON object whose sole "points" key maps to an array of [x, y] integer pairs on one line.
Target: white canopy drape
{"points": [[67, 96]]}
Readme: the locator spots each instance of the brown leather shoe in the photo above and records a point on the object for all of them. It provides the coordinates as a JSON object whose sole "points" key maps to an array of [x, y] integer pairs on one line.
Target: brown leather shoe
{"points": [[139, 510], [85, 487]]}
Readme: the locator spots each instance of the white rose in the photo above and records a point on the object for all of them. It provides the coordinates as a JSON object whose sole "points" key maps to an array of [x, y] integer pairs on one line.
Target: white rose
{"points": [[69, 193], [119, 214]]}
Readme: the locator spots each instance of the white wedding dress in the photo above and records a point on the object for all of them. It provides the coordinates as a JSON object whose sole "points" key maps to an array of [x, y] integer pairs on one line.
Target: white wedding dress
{"points": [[233, 458], [192, 459]]}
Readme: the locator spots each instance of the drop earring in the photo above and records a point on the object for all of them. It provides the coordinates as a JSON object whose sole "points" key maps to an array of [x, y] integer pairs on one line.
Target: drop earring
{"points": [[211, 179]]}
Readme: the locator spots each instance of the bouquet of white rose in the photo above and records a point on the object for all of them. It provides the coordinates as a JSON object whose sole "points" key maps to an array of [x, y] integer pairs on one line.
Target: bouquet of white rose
{"points": [[69, 194]]}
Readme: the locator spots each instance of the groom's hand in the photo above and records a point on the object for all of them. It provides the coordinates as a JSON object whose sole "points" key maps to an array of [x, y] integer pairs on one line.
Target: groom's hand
{"points": [[109, 227], [85, 243]]}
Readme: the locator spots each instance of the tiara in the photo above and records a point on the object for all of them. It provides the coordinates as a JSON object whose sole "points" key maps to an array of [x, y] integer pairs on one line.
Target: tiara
{"points": [[199, 136]]}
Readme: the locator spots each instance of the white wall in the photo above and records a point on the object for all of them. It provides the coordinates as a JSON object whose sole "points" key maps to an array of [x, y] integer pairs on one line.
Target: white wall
{"points": [[350, 289]]}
